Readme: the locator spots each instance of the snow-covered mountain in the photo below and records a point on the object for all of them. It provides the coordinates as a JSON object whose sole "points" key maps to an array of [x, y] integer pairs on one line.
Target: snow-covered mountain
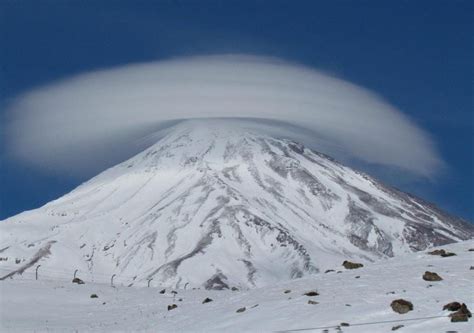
{"points": [[220, 205]]}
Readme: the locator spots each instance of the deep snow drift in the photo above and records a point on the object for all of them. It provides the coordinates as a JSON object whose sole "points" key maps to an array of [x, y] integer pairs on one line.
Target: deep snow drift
{"points": [[216, 205], [359, 297]]}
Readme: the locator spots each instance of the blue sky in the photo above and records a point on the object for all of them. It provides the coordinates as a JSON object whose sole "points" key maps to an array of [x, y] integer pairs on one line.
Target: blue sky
{"points": [[417, 55]]}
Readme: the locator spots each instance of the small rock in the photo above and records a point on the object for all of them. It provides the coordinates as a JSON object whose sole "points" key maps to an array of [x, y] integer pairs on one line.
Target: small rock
{"points": [[312, 302], [348, 305], [254, 306], [471, 250], [234, 289], [287, 291], [339, 272], [344, 324], [240, 310], [311, 293], [442, 253], [458, 316], [103, 303], [401, 306], [465, 310], [180, 300], [437, 252], [329, 271], [453, 306], [351, 265], [472, 268], [431, 276], [77, 280], [206, 300], [174, 292], [162, 291], [172, 306], [394, 328], [357, 277], [94, 296]]}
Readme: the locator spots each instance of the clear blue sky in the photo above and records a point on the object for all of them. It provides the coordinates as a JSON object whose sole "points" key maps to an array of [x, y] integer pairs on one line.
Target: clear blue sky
{"points": [[416, 54]]}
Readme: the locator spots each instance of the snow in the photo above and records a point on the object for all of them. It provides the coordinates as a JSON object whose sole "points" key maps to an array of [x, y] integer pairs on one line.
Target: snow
{"points": [[229, 200], [57, 305]]}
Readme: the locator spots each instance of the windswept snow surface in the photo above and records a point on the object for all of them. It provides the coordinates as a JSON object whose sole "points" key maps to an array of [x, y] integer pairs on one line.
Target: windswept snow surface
{"points": [[217, 204], [364, 303]]}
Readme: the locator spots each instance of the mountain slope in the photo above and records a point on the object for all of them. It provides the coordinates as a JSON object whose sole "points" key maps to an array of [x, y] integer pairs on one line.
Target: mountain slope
{"points": [[216, 204]]}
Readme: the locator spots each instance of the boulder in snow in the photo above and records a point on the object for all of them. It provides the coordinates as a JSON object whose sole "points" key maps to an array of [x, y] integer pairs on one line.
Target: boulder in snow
{"points": [[351, 265], [401, 306], [431, 276]]}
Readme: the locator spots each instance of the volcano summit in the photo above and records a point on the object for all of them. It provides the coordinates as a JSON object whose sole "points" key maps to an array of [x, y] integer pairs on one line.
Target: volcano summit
{"points": [[217, 204]]}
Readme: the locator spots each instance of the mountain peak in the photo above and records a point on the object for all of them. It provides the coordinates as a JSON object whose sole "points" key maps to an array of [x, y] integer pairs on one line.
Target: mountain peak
{"points": [[217, 204]]}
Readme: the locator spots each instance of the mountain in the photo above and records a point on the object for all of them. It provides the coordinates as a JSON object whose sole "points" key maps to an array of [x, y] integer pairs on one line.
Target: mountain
{"points": [[218, 204]]}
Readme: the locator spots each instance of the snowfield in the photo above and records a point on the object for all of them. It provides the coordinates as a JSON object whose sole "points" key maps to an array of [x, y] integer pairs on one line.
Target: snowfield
{"points": [[360, 297]]}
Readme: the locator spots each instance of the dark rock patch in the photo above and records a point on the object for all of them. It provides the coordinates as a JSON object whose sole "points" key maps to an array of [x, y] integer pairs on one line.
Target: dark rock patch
{"points": [[437, 252], [287, 291], [77, 280], [458, 316], [162, 291], [217, 282], [234, 289], [442, 253], [344, 324], [172, 306], [431, 276], [94, 296], [311, 293], [329, 271], [394, 328], [401, 306], [312, 302], [453, 306], [241, 310], [463, 314], [351, 265], [206, 300]]}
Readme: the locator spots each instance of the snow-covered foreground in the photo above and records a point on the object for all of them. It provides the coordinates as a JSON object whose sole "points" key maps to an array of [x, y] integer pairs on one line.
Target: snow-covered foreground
{"points": [[360, 297]]}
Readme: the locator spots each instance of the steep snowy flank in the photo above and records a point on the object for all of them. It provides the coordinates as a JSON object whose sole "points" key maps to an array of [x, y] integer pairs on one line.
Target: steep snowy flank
{"points": [[218, 205]]}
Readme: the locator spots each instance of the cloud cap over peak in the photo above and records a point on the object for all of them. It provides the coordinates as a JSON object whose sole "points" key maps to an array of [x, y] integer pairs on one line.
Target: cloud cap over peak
{"points": [[71, 122]]}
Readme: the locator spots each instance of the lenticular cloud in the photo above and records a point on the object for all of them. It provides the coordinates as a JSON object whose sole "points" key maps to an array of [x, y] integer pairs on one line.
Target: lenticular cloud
{"points": [[95, 116]]}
